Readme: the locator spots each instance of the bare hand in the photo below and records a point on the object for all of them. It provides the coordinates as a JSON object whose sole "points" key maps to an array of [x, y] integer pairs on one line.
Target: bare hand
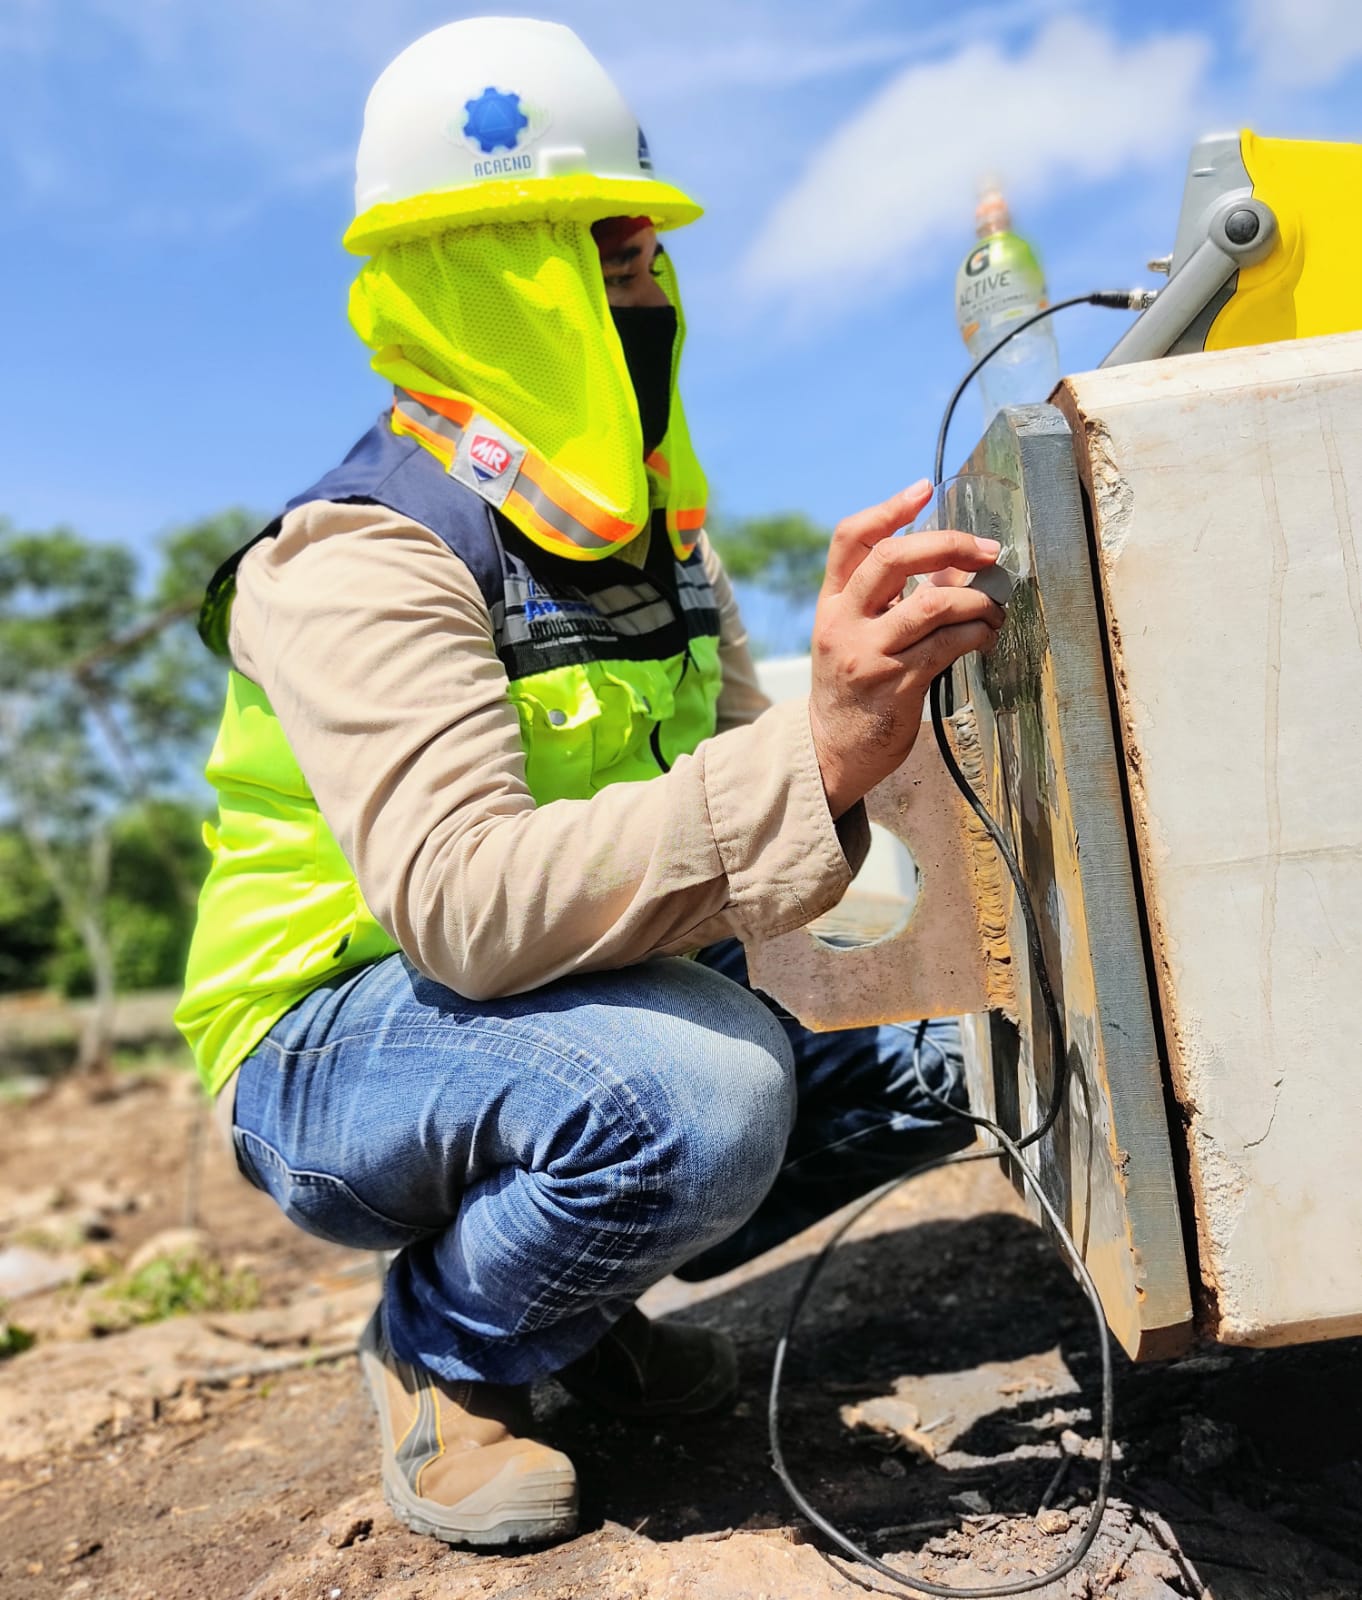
{"points": [[876, 651]]}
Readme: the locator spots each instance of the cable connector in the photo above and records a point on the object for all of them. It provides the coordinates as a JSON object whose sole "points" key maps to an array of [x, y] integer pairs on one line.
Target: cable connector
{"points": [[1124, 299], [1112, 299]]}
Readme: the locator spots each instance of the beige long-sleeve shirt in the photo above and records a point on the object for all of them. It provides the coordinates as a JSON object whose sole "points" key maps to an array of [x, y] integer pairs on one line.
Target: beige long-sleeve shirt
{"points": [[375, 649]]}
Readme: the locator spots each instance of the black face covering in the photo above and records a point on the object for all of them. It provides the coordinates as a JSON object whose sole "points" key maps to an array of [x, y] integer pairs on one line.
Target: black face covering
{"points": [[648, 336]]}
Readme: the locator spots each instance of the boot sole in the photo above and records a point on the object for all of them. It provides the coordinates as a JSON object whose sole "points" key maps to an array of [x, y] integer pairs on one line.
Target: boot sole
{"points": [[548, 1512], [541, 1507]]}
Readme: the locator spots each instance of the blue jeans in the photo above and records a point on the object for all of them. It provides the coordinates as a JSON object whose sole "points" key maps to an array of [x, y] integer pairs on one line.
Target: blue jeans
{"points": [[539, 1161]]}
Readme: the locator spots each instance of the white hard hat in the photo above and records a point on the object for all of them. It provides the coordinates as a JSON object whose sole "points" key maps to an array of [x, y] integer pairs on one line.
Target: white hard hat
{"points": [[500, 119]]}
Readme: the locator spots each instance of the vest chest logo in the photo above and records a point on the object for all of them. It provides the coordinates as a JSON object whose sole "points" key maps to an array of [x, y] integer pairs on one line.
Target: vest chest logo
{"points": [[490, 457]]}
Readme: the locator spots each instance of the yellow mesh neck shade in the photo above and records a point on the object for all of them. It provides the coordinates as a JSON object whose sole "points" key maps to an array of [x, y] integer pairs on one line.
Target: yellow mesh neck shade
{"points": [[509, 322]]}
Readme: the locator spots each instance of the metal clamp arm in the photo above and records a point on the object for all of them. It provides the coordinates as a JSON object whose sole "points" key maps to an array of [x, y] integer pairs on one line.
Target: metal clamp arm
{"points": [[1240, 233]]}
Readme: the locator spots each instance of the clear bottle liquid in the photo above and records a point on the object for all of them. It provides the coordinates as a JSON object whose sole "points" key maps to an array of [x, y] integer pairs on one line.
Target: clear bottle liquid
{"points": [[1000, 283]]}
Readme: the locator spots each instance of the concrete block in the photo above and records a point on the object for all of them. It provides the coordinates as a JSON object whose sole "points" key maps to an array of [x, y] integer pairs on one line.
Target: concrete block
{"points": [[1226, 495]]}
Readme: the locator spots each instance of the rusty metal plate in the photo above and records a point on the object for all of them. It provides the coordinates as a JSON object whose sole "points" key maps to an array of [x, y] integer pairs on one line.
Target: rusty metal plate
{"points": [[1043, 712]]}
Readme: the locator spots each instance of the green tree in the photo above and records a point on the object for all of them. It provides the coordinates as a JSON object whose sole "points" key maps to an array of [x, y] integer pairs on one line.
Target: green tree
{"points": [[784, 553], [60, 596], [29, 915], [776, 563], [156, 861], [103, 692]]}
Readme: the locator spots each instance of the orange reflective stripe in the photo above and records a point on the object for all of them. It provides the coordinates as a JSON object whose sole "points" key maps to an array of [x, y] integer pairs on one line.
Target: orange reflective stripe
{"points": [[456, 410], [551, 508], [681, 523], [574, 502], [439, 447], [546, 478], [558, 543]]}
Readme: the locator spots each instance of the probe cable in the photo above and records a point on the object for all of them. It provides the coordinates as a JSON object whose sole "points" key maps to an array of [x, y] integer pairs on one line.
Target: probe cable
{"points": [[1113, 299], [1124, 300]]}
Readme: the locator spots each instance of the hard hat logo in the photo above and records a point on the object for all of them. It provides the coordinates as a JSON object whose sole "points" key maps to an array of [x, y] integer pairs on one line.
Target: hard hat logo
{"points": [[495, 121]]}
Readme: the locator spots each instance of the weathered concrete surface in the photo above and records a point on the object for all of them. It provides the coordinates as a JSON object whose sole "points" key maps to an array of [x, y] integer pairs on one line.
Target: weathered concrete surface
{"points": [[1226, 494]]}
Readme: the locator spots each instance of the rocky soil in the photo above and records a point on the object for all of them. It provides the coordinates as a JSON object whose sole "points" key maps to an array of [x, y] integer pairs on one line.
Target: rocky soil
{"points": [[939, 1406]]}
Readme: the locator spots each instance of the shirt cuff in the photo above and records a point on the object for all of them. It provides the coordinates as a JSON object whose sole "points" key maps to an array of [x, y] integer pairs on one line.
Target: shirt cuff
{"points": [[785, 860], [853, 830]]}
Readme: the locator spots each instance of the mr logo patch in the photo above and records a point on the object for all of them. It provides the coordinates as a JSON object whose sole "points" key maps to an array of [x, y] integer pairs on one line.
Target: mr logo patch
{"points": [[487, 460]]}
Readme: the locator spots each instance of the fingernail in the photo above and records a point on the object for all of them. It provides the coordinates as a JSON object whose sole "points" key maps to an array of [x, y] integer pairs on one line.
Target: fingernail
{"points": [[919, 486], [988, 547]]}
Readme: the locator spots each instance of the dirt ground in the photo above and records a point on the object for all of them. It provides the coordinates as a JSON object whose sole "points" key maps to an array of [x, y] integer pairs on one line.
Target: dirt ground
{"points": [[939, 1406]]}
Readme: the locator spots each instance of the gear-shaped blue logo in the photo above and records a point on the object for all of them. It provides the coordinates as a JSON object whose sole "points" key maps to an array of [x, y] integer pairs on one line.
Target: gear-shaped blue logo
{"points": [[495, 120]]}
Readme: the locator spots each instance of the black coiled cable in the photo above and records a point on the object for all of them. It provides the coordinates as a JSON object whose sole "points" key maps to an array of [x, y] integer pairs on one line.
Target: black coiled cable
{"points": [[1006, 1145]]}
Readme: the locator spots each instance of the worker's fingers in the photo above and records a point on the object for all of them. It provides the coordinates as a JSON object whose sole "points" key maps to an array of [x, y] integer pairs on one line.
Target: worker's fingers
{"points": [[928, 610], [879, 579], [946, 646], [857, 535], [947, 578]]}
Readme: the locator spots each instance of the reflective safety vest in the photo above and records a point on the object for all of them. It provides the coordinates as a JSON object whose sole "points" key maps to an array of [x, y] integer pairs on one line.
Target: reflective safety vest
{"points": [[613, 670]]}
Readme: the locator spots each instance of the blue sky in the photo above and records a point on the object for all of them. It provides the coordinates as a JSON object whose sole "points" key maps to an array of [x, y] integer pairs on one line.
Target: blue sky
{"points": [[176, 176]]}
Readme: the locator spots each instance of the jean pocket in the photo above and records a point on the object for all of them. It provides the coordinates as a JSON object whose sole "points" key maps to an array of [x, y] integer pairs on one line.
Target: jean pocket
{"points": [[318, 1202]]}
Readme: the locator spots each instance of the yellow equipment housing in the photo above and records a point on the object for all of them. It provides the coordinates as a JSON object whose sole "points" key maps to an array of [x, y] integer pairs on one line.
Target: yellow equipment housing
{"points": [[1310, 283], [1268, 246]]}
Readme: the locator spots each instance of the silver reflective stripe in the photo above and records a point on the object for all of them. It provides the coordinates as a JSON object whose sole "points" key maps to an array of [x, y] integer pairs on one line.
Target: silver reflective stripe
{"points": [[646, 619], [558, 519], [631, 608], [549, 510], [694, 588], [428, 417]]}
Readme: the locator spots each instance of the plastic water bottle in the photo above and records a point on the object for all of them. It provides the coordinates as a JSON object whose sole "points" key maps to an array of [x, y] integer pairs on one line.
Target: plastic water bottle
{"points": [[1000, 283]]}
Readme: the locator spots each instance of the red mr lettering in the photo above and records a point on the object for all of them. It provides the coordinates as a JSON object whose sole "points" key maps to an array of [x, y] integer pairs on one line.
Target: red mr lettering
{"points": [[489, 454]]}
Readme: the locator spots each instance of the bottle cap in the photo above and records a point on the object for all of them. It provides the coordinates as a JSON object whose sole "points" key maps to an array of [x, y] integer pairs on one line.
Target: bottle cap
{"points": [[991, 215]]}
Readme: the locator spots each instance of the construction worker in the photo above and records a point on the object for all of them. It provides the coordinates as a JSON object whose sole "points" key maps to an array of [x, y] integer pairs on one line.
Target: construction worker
{"points": [[494, 760]]}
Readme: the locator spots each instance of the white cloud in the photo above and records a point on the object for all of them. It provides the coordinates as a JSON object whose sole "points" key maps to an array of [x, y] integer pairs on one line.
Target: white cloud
{"points": [[1304, 43], [241, 105], [887, 191], [269, 73], [792, 46], [261, 92]]}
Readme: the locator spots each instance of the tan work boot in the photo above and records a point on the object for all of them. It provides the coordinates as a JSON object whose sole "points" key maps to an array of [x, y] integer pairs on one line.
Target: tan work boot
{"points": [[655, 1369], [456, 1462]]}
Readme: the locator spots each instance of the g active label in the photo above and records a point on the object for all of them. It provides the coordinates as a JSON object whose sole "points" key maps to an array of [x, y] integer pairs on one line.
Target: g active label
{"points": [[490, 457]]}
